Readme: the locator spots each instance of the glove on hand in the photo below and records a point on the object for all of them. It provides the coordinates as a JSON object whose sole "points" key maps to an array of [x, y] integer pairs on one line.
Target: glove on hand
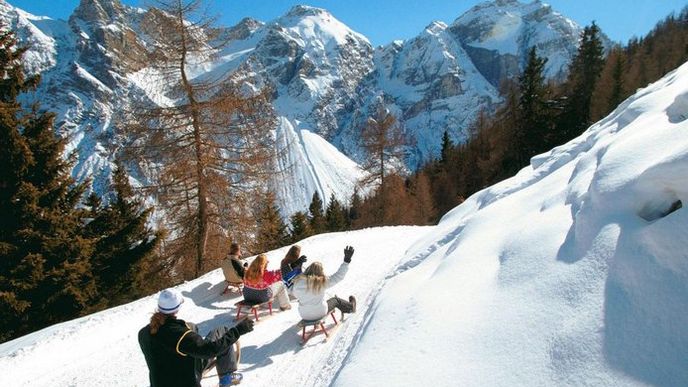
{"points": [[348, 253], [302, 259], [244, 326]]}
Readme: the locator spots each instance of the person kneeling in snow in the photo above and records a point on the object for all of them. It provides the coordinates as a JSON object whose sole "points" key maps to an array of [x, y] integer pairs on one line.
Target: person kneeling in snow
{"points": [[309, 289], [177, 355]]}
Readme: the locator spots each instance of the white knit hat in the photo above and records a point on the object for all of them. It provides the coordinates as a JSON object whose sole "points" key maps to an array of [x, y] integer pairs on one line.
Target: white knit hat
{"points": [[169, 301]]}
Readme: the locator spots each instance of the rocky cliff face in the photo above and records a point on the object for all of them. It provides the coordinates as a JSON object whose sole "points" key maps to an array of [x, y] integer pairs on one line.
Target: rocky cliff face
{"points": [[325, 77], [497, 35]]}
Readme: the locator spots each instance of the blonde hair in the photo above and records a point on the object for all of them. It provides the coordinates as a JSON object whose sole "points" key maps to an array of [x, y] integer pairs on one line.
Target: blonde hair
{"points": [[315, 277], [256, 269]]}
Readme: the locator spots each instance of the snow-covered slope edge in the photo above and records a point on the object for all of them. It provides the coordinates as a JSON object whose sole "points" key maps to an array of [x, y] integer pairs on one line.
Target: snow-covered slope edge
{"points": [[573, 272]]}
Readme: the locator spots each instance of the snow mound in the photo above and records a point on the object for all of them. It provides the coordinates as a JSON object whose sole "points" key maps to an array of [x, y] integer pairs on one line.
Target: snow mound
{"points": [[572, 272]]}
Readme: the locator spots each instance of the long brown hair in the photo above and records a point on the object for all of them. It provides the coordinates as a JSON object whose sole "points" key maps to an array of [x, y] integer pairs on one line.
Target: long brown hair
{"points": [[292, 255], [256, 269], [157, 320], [315, 277]]}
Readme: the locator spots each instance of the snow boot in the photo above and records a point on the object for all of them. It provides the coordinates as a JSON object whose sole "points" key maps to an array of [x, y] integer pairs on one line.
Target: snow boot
{"points": [[352, 300], [230, 379]]}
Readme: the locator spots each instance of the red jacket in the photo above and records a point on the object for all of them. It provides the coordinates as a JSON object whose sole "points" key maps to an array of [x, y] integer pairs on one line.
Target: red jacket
{"points": [[269, 277], [259, 291]]}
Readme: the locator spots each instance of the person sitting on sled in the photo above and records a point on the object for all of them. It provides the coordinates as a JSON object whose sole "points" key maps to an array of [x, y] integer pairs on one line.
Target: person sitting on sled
{"points": [[292, 265], [232, 266], [177, 355], [260, 285], [309, 289]]}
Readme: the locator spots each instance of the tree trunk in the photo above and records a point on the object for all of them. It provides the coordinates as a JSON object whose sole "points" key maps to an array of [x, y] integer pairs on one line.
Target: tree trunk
{"points": [[202, 191]]}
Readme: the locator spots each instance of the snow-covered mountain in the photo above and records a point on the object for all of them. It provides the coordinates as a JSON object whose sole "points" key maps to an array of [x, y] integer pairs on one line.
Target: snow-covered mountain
{"points": [[325, 78], [572, 272]]}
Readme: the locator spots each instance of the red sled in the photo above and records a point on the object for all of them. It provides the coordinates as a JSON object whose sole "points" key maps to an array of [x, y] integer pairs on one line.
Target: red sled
{"points": [[318, 325], [252, 307]]}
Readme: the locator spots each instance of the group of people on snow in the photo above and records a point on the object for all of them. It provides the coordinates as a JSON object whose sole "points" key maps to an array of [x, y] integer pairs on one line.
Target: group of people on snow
{"points": [[177, 355]]}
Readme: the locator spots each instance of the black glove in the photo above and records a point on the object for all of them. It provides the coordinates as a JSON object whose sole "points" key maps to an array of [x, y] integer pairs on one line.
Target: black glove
{"points": [[244, 326], [348, 253], [245, 264], [302, 259]]}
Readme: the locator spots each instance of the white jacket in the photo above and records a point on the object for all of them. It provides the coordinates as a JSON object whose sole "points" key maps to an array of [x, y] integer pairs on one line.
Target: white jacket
{"points": [[313, 306]]}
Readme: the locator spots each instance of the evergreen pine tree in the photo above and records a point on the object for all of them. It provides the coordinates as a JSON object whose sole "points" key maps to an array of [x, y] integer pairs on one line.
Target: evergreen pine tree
{"points": [[124, 243], [272, 232], [533, 121], [300, 229], [584, 72], [617, 93], [334, 215], [45, 271], [447, 146], [354, 210], [316, 218]]}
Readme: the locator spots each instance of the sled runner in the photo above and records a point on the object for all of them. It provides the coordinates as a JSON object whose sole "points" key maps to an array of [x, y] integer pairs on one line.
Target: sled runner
{"points": [[318, 325], [252, 308]]}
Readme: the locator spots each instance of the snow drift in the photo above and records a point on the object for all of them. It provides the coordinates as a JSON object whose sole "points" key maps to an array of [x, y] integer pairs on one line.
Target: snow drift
{"points": [[573, 272]]}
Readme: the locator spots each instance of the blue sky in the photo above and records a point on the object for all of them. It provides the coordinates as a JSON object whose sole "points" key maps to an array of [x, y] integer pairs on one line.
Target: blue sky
{"points": [[383, 21]]}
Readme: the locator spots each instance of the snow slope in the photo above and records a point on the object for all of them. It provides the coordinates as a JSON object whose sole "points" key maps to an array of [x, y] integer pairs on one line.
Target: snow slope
{"points": [[573, 272], [310, 164], [102, 349]]}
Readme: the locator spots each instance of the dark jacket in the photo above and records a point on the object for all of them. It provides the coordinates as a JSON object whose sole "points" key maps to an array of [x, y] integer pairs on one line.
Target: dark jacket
{"points": [[176, 355], [290, 271], [237, 265]]}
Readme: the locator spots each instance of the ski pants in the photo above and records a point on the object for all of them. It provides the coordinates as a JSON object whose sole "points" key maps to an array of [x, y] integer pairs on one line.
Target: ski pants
{"points": [[226, 363]]}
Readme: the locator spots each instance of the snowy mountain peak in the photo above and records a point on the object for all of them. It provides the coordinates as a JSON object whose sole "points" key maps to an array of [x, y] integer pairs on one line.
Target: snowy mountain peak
{"points": [[308, 23], [305, 10], [244, 28], [99, 11], [498, 34], [436, 27]]}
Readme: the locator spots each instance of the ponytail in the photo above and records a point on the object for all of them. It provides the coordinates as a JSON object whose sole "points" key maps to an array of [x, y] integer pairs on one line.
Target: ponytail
{"points": [[157, 320]]}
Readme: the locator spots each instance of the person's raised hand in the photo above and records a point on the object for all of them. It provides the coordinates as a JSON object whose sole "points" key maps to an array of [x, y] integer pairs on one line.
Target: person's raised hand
{"points": [[302, 259], [348, 253]]}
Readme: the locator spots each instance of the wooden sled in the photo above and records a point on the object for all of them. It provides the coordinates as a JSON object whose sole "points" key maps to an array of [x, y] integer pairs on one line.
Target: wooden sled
{"points": [[233, 287], [318, 326], [252, 308]]}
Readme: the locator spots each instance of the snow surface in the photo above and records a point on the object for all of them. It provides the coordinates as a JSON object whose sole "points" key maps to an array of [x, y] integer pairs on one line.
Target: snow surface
{"points": [[573, 272], [309, 163], [102, 349]]}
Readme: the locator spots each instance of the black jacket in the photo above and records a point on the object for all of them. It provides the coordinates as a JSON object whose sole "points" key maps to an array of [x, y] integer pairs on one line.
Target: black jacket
{"points": [[176, 355], [237, 265]]}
